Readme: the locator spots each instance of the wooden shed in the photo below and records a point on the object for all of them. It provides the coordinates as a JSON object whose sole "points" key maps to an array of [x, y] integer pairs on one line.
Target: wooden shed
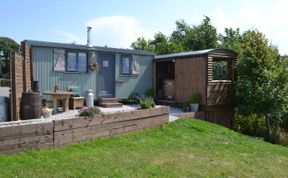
{"points": [[211, 73]]}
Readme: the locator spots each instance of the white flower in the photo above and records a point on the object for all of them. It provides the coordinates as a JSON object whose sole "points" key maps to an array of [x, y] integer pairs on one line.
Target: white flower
{"points": [[45, 109]]}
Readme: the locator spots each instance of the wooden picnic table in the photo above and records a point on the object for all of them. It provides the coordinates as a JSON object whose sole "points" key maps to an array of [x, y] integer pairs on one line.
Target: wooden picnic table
{"points": [[59, 95]]}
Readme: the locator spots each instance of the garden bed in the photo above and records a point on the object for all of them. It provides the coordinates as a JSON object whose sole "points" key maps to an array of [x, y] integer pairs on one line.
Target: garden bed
{"points": [[48, 133]]}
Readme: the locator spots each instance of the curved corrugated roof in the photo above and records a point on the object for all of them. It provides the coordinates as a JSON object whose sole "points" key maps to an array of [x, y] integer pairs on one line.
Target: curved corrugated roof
{"points": [[85, 47], [190, 53]]}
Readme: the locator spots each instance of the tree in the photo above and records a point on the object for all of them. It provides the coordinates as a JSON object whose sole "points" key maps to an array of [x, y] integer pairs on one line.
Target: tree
{"points": [[262, 88], [142, 44], [179, 36], [197, 37], [7, 45], [163, 45], [232, 39], [204, 37], [184, 38], [160, 43]]}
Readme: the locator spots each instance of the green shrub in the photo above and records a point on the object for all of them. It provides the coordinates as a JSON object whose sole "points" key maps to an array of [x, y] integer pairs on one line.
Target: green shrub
{"points": [[146, 103], [284, 123], [129, 101], [150, 92], [195, 98], [90, 112], [251, 125], [255, 126], [282, 137]]}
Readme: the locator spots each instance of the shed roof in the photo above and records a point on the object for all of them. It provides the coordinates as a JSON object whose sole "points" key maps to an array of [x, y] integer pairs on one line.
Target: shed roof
{"points": [[85, 47], [189, 54]]}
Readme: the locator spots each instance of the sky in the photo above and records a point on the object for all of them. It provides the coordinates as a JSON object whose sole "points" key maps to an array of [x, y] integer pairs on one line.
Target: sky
{"points": [[117, 23]]}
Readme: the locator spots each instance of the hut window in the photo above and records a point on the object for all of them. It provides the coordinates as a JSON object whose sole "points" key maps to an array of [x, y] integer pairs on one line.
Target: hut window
{"points": [[76, 62], [130, 65], [82, 62], [135, 65], [71, 61], [59, 60], [221, 69], [126, 62]]}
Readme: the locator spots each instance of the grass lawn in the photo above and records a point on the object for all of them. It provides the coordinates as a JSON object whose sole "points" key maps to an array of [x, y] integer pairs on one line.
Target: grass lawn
{"points": [[184, 148]]}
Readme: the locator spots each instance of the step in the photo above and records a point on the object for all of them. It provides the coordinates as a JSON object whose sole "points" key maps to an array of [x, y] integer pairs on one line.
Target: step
{"points": [[108, 100], [110, 105]]}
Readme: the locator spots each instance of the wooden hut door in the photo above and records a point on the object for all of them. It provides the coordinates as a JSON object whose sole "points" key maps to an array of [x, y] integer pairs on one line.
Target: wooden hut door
{"points": [[106, 76]]}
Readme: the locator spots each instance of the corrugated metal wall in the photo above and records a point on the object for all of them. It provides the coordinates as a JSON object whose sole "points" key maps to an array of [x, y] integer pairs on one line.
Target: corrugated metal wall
{"points": [[43, 72], [135, 83]]}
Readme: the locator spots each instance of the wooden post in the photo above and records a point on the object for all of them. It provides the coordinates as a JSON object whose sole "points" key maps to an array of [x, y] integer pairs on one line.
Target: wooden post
{"points": [[17, 86], [154, 78]]}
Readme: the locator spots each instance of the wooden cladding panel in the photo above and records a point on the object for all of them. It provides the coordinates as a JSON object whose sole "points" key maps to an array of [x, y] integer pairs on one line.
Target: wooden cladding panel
{"points": [[17, 86], [26, 67], [223, 53], [210, 69], [190, 75], [221, 117], [220, 93]]}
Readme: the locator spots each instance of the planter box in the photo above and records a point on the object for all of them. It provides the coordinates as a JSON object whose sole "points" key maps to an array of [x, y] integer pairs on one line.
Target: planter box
{"points": [[25, 135], [86, 128]]}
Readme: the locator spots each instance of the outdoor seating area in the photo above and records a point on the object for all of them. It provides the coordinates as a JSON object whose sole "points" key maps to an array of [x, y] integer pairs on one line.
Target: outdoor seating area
{"points": [[59, 96], [76, 103]]}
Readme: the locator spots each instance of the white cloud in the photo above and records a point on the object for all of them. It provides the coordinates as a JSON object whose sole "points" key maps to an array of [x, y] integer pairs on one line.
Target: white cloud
{"points": [[121, 31], [220, 20], [272, 22], [117, 31], [69, 37], [253, 17]]}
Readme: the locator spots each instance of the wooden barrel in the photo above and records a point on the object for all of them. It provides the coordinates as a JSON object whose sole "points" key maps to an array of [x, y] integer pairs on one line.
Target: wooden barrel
{"points": [[30, 106]]}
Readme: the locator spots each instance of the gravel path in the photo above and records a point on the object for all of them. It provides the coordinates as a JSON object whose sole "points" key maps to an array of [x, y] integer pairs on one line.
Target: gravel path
{"points": [[124, 108]]}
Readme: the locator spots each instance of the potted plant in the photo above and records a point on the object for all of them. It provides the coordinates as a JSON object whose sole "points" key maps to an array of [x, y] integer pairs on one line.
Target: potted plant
{"points": [[194, 102], [146, 103], [89, 111], [46, 112]]}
